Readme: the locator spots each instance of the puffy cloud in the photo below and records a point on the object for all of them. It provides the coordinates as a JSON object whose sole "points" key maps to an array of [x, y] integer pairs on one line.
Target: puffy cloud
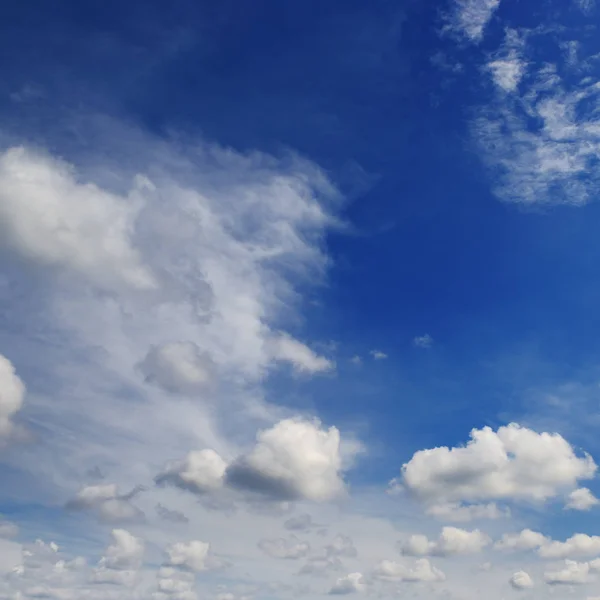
{"points": [[282, 548], [200, 472], [353, 582], [423, 341], [581, 499], [47, 216], [179, 367], [422, 570], [378, 354], [12, 392], [524, 540], [512, 463], [295, 459], [579, 544], [303, 360], [458, 513], [191, 555], [451, 541], [521, 580], [572, 573], [126, 551], [105, 500], [470, 17]]}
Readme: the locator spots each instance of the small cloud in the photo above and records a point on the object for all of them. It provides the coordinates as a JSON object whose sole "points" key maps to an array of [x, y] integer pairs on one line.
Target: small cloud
{"points": [[423, 341], [378, 354], [581, 499], [356, 360]]}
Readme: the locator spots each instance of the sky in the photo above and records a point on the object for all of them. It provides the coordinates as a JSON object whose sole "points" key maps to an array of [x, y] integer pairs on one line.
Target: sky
{"points": [[299, 300]]}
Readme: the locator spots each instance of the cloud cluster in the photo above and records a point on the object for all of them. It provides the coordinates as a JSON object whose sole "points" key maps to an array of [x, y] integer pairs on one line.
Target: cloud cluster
{"points": [[513, 463], [293, 460], [451, 541]]}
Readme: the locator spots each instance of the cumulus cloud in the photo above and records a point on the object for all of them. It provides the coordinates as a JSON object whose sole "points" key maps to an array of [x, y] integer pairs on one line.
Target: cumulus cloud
{"points": [[200, 472], [51, 218], [282, 548], [179, 367], [470, 17], [524, 540], [421, 570], [191, 555], [512, 463], [579, 544], [295, 459], [126, 551], [12, 392], [378, 354], [107, 502], [451, 541], [581, 499], [521, 581], [573, 573], [353, 582]]}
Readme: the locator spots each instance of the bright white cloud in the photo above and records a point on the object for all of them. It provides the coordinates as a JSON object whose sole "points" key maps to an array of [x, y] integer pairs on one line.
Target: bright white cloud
{"points": [[521, 581], [470, 17], [524, 540], [282, 548], [573, 573], [512, 463], [451, 541], [179, 367], [581, 499], [421, 570], [126, 551], [200, 472], [51, 218], [12, 392], [295, 459], [353, 582], [579, 544]]}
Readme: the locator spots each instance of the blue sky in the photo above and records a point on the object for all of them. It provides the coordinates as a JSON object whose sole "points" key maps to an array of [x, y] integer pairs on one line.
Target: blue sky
{"points": [[266, 260]]}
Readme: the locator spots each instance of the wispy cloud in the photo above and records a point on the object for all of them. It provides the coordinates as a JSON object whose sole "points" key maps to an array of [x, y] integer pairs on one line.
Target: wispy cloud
{"points": [[469, 18]]}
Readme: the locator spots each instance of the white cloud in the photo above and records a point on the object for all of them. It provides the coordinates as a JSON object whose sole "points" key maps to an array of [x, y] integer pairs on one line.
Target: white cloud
{"points": [[282, 548], [106, 501], [51, 218], [470, 17], [521, 581], [512, 463], [200, 472], [341, 545], [572, 573], [295, 459], [422, 570], [524, 540], [353, 582], [508, 65], [423, 341], [126, 551], [581, 499], [378, 355], [579, 544], [179, 367], [191, 555], [12, 392], [303, 360], [451, 541]]}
